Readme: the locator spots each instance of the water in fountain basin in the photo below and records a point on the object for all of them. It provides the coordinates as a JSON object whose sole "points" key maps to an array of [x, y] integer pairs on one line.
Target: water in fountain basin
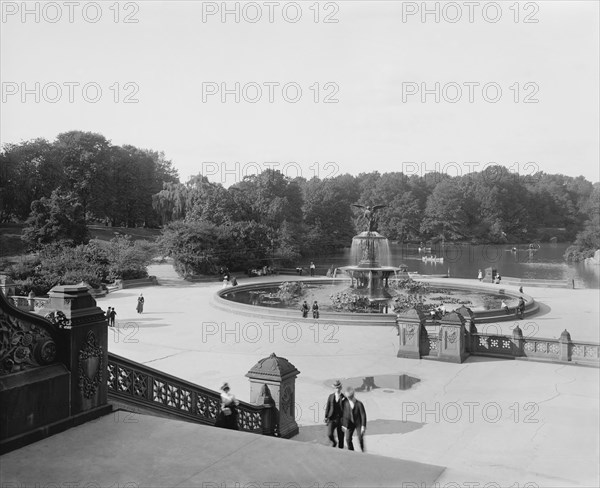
{"points": [[380, 243]]}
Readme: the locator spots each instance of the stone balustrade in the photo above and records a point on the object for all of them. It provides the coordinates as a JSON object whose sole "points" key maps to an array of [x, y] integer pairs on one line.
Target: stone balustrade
{"points": [[449, 341]]}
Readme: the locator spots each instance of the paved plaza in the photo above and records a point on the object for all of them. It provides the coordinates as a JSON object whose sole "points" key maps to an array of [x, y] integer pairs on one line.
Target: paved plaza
{"points": [[486, 420]]}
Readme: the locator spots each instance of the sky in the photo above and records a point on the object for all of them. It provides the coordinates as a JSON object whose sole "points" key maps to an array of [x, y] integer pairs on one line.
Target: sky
{"points": [[322, 88]]}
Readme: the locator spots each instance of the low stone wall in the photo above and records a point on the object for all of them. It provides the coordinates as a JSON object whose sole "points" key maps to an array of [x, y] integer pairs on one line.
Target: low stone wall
{"points": [[537, 348], [348, 318], [455, 337], [36, 304], [492, 315], [149, 281], [288, 315], [509, 280]]}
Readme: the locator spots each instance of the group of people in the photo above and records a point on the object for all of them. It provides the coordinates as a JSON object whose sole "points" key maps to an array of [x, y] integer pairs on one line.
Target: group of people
{"points": [[110, 316], [312, 268], [345, 415], [229, 280], [305, 309], [264, 271], [495, 278], [519, 309], [111, 313], [438, 312]]}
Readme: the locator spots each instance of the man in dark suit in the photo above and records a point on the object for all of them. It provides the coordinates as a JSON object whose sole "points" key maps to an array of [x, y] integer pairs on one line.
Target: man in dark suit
{"points": [[333, 415], [354, 418]]}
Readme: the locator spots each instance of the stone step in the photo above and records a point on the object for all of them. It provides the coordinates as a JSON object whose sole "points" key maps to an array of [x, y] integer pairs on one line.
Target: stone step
{"points": [[147, 451]]}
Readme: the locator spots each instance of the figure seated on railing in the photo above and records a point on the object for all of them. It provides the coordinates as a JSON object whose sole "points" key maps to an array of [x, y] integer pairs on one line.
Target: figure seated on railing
{"points": [[228, 416]]}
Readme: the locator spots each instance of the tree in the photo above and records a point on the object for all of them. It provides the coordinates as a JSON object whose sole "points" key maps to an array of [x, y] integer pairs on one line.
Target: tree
{"points": [[127, 259], [192, 245], [444, 214], [85, 157], [28, 172], [58, 218], [328, 223], [588, 240]]}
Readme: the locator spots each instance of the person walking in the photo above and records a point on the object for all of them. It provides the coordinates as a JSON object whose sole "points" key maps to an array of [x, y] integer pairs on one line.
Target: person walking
{"points": [[108, 316], [333, 415], [312, 268], [354, 419], [315, 310], [521, 308], [227, 417], [505, 307], [140, 304], [304, 309], [113, 314], [480, 275]]}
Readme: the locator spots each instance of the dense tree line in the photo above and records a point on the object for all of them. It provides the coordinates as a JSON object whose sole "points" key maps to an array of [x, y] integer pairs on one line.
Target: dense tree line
{"points": [[58, 187], [110, 183], [295, 217]]}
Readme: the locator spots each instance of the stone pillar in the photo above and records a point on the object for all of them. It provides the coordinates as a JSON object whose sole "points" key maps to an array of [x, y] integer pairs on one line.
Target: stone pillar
{"points": [[279, 376], [86, 337], [565, 346], [470, 327], [518, 350], [7, 285], [268, 418], [452, 339], [409, 333]]}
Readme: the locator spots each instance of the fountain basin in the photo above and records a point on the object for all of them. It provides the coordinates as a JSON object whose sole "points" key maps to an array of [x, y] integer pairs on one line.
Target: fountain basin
{"points": [[221, 301]]}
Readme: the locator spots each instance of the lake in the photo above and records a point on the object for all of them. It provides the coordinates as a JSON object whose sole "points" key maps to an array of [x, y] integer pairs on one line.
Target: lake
{"points": [[463, 261]]}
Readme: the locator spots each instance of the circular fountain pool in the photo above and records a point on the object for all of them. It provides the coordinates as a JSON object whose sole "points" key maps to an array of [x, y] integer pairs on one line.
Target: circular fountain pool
{"points": [[262, 300], [270, 296]]}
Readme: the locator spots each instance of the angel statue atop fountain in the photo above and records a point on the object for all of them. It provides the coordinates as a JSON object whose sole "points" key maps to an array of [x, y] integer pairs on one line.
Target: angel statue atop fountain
{"points": [[369, 215]]}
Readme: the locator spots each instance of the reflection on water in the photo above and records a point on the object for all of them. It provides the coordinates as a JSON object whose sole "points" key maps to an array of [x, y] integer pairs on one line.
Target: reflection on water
{"points": [[385, 381], [463, 261]]}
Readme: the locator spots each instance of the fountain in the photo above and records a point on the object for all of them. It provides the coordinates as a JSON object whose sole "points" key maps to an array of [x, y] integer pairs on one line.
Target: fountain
{"points": [[370, 276], [369, 251]]}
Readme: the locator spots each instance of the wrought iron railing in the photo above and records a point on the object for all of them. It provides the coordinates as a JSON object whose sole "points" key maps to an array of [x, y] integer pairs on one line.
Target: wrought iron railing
{"points": [[149, 388]]}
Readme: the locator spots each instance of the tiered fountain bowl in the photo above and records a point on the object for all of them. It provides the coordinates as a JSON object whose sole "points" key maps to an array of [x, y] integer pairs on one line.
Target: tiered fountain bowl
{"points": [[369, 278]]}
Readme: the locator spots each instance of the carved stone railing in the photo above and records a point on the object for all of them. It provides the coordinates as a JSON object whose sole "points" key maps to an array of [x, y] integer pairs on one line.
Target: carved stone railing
{"points": [[541, 348], [455, 337], [52, 367], [562, 349], [24, 303], [149, 388], [584, 351], [492, 344]]}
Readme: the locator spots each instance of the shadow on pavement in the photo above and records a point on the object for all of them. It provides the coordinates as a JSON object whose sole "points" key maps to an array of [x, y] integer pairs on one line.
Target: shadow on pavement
{"points": [[318, 433]]}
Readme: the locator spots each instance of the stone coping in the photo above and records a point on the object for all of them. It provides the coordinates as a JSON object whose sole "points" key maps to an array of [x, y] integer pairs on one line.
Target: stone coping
{"points": [[376, 319]]}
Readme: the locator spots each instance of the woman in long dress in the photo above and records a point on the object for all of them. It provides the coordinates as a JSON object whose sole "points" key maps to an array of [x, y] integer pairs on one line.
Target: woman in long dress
{"points": [[140, 304], [227, 417]]}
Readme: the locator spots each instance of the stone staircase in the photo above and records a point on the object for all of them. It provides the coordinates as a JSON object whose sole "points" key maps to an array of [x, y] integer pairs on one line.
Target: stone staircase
{"points": [[134, 450]]}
